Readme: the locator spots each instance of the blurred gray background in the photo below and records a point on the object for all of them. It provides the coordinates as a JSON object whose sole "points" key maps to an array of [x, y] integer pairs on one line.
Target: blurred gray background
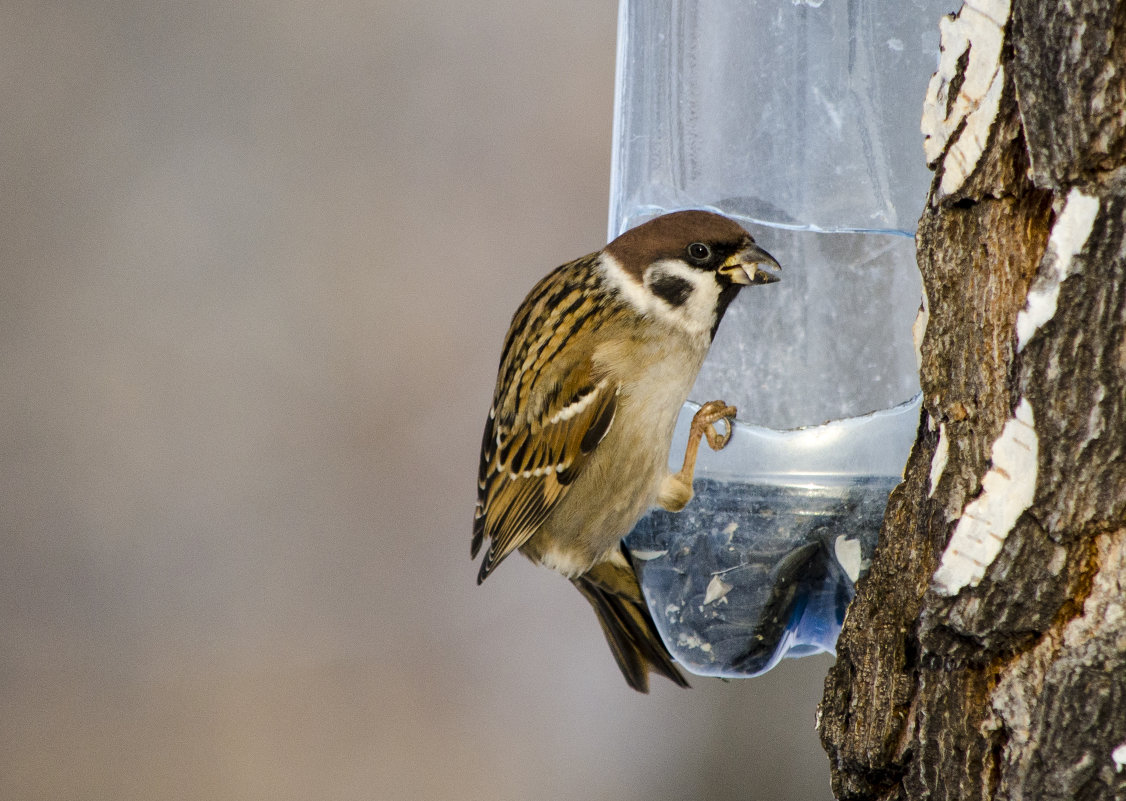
{"points": [[258, 260]]}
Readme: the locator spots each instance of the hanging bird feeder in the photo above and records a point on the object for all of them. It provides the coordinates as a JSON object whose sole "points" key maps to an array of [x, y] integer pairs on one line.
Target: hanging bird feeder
{"points": [[800, 119]]}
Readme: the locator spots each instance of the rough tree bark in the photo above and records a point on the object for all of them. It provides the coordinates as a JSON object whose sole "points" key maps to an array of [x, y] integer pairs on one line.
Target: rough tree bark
{"points": [[985, 655]]}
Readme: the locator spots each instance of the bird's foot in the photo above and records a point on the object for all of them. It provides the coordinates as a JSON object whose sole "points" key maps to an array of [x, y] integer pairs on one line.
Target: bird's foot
{"points": [[704, 422], [676, 490]]}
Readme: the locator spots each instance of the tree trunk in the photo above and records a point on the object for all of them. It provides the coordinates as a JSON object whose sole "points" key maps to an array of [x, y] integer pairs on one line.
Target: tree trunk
{"points": [[985, 655]]}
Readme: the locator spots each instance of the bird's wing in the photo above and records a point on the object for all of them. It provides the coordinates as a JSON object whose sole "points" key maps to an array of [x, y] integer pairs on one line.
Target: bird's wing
{"points": [[530, 457]]}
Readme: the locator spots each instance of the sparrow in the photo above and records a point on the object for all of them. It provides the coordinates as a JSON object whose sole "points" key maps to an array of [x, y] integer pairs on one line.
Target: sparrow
{"points": [[596, 365]]}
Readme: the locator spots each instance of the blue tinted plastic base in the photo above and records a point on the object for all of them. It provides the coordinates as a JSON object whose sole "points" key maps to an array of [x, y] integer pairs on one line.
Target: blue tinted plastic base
{"points": [[751, 573]]}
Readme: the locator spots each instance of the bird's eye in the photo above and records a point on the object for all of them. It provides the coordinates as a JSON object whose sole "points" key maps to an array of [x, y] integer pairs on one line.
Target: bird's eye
{"points": [[698, 251]]}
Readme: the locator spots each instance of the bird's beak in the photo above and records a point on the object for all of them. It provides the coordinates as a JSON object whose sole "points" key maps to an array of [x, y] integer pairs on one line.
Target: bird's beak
{"points": [[747, 267]]}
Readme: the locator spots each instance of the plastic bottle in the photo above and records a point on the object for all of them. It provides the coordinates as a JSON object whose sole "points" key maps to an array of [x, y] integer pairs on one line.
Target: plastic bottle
{"points": [[801, 120]]}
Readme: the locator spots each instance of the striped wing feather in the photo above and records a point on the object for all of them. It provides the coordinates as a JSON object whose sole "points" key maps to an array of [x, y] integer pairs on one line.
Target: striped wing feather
{"points": [[530, 459]]}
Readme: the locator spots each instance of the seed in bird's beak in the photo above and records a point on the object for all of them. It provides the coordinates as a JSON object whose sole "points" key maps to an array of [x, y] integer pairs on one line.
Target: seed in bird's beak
{"points": [[747, 267], [761, 276]]}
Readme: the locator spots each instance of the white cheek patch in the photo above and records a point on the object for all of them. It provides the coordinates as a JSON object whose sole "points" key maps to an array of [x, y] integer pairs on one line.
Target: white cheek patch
{"points": [[695, 316], [697, 313], [633, 293]]}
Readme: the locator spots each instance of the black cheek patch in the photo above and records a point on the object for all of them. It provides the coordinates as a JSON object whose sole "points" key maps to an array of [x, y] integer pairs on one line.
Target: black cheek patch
{"points": [[672, 289]]}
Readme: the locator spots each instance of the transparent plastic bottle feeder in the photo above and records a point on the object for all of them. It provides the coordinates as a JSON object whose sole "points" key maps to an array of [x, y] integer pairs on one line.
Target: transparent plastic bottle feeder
{"points": [[801, 120]]}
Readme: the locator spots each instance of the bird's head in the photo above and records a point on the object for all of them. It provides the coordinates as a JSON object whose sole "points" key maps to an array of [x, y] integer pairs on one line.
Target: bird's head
{"points": [[685, 268]]}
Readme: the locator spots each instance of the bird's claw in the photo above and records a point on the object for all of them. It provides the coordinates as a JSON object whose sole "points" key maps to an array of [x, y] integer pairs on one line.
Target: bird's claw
{"points": [[716, 440], [708, 416]]}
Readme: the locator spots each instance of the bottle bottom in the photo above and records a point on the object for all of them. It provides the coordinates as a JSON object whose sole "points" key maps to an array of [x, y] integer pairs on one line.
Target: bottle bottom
{"points": [[750, 573]]}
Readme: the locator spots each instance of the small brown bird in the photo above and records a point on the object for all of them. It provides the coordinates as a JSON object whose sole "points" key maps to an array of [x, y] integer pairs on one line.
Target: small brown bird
{"points": [[596, 365]]}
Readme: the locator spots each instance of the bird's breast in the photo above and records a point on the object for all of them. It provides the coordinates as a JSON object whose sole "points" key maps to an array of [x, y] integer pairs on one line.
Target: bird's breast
{"points": [[623, 477]]}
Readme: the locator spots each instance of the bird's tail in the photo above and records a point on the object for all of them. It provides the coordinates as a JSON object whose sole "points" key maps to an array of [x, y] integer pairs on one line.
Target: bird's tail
{"points": [[613, 591]]}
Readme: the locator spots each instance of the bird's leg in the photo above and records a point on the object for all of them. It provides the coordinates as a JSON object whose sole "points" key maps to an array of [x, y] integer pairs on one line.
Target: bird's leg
{"points": [[676, 489]]}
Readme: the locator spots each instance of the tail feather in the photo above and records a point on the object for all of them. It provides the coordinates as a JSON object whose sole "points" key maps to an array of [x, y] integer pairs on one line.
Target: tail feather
{"points": [[613, 591]]}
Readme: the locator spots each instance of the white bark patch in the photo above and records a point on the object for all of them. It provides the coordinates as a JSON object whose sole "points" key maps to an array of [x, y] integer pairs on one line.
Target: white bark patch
{"points": [[975, 35], [919, 330], [1118, 755], [1018, 698], [1007, 490], [938, 463], [1069, 234]]}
